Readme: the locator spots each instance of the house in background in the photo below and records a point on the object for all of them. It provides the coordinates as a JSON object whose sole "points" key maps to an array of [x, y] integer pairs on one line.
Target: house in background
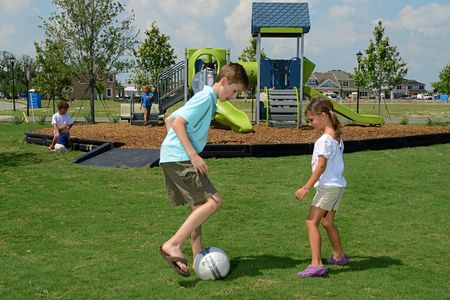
{"points": [[81, 91], [408, 88], [337, 82]]}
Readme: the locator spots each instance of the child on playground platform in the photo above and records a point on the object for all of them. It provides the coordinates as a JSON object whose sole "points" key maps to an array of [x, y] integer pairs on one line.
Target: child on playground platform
{"points": [[185, 172], [146, 102], [328, 167], [62, 123]]}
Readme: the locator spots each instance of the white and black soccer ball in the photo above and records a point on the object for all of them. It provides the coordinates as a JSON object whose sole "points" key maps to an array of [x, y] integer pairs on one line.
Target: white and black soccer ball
{"points": [[211, 263]]}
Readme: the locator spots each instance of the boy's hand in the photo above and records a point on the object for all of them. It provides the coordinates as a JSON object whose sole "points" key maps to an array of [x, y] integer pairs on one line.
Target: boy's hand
{"points": [[199, 164], [301, 193]]}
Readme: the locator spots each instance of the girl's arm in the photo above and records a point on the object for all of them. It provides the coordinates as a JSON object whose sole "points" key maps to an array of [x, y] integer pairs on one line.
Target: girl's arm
{"points": [[179, 126], [321, 166]]}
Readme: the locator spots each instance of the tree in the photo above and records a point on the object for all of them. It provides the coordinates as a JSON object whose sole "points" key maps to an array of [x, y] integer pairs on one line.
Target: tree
{"points": [[249, 52], [54, 77], [19, 72], [382, 65], [96, 36], [153, 56], [443, 85]]}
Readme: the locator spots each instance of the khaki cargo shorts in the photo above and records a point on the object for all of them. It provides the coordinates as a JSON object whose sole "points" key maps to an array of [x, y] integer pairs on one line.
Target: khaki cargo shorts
{"points": [[328, 198], [183, 184]]}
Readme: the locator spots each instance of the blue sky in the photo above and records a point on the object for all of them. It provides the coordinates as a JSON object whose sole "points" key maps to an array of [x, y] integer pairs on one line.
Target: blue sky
{"points": [[339, 28]]}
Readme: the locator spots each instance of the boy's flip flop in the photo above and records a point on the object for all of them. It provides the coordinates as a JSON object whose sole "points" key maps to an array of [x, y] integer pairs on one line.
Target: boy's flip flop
{"points": [[172, 260]]}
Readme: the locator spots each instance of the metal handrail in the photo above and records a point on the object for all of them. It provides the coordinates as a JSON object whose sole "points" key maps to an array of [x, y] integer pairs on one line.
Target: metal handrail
{"points": [[170, 80], [298, 106]]}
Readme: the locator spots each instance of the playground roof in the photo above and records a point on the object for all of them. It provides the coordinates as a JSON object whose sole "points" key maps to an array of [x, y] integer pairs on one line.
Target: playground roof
{"points": [[278, 19]]}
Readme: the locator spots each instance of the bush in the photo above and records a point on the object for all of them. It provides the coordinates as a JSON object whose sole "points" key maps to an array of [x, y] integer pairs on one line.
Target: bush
{"points": [[404, 120]]}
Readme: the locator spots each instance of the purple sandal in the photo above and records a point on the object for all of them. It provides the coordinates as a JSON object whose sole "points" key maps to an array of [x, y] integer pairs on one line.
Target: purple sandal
{"points": [[341, 261], [312, 271]]}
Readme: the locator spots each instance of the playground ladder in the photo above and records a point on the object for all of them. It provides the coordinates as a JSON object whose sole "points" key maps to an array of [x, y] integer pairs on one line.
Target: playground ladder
{"points": [[282, 108]]}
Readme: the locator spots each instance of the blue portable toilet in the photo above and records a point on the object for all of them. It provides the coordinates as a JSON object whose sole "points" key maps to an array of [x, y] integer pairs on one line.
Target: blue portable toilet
{"points": [[443, 97], [34, 100]]}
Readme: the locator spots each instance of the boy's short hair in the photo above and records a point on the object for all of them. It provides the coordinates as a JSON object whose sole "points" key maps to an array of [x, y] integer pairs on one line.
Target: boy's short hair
{"points": [[235, 73], [63, 104]]}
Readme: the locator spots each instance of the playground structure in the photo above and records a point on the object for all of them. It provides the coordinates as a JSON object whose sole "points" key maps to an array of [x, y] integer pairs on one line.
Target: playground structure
{"points": [[280, 83]]}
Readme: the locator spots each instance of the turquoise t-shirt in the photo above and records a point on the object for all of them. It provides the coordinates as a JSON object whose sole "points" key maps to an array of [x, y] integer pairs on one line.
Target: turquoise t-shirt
{"points": [[198, 113]]}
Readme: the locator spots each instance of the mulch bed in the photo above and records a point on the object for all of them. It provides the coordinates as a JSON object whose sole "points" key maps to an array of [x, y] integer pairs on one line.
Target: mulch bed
{"points": [[152, 136]]}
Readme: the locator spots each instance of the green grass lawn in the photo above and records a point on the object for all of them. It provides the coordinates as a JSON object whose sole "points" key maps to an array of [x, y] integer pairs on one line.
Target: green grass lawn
{"points": [[76, 232], [79, 109]]}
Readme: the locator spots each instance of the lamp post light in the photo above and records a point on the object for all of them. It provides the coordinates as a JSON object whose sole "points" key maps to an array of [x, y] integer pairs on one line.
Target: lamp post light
{"points": [[27, 81], [358, 58], [12, 60]]}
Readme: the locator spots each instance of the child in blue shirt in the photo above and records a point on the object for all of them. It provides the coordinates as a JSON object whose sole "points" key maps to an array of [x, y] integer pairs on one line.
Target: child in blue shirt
{"points": [[146, 101], [183, 168]]}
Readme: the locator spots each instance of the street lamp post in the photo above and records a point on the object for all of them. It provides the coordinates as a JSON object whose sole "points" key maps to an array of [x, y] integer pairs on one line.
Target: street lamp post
{"points": [[358, 58], [12, 60], [27, 81]]}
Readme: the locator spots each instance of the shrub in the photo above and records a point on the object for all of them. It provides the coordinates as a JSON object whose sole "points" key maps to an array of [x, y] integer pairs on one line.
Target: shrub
{"points": [[404, 120]]}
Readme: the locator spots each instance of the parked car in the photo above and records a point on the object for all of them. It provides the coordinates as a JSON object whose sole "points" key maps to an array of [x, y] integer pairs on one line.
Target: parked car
{"points": [[424, 97], [331, 95]]}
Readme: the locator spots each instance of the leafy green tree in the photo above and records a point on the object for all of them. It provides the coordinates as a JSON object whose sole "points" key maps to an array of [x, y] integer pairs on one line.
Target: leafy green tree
{"points": [[249, 52], [443, 85], [153, 56], [54, 77], [97, 37], [19, 72], [382, 66]]}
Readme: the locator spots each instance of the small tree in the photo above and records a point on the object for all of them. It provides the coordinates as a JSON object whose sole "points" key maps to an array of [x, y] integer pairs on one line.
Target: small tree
{"points": [[96, 36], [443, 85], [153, 56], [382, 65], [54, 74], [249, 52]]}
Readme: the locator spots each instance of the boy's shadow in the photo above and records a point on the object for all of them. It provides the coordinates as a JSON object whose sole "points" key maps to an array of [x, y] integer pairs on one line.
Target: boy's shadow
{"points": [[251, 266]]}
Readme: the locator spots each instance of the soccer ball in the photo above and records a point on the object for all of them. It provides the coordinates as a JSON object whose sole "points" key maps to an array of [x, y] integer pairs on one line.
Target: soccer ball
{"points": [[211, 263]]}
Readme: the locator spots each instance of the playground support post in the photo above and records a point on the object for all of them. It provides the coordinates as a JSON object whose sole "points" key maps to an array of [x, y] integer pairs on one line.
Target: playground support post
{"points": [[302, 54], [258, 79]]}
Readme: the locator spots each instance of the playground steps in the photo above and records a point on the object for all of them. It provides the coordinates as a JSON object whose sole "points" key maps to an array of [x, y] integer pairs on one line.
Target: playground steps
{"points": [[138, 118], [282, 108]]}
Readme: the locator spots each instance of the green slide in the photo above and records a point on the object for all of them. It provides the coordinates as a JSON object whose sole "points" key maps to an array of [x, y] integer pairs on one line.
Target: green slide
{"points": [[344, 111], [230, 116]]}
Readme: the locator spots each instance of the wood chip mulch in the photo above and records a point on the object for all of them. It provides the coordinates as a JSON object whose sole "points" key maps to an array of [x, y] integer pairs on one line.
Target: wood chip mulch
{"points": [[152, 136]]}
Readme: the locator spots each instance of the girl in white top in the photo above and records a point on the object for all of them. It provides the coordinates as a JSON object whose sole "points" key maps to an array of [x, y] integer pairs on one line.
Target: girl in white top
{"points": [[328, 167]]}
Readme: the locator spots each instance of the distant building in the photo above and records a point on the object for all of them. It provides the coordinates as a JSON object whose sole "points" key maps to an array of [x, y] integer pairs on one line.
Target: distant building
{"points": [[338, 82], [408, 88], [81, 91]]}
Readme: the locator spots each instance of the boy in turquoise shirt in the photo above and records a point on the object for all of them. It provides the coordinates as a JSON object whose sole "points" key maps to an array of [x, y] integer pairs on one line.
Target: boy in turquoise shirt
{"points": [[183, 168]]}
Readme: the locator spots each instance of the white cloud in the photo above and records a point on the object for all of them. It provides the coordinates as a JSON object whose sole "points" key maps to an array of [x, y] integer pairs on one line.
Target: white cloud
{"points": [[13, 6], [433, 19], [196, 8], [238, 24], [342, 11]]}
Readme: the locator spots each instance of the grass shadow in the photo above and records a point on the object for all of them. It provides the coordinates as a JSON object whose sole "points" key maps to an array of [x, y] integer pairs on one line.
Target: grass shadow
{"points": [[361, 263], [14, 159], [252, 266]]}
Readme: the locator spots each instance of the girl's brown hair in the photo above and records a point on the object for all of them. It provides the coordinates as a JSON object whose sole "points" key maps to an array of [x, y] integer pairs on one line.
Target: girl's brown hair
{"points": [[322, 105]]}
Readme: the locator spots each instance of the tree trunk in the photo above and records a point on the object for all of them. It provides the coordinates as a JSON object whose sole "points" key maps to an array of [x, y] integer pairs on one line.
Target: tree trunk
{"points": [[379, 101], [92, 114]]}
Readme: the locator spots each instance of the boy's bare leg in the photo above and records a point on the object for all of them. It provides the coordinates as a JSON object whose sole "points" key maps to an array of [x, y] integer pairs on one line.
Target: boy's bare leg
{"points": [[196, 237], [196, 218], [312, 223], [55, 138], [333, 234]]}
